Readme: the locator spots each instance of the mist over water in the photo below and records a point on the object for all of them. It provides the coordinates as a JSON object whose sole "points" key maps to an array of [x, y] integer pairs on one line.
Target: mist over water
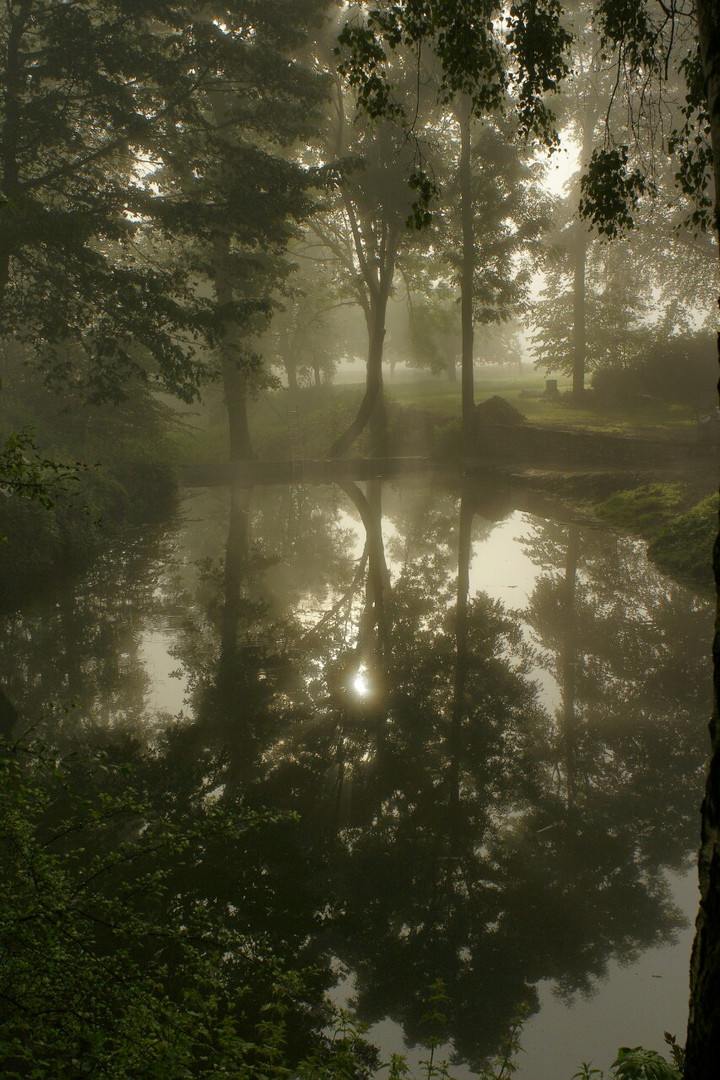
{"points": [[487, 725]]}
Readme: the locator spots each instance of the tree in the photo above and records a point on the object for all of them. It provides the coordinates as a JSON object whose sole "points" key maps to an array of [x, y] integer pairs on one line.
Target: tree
{"points": [[641, 36], [232, 188], [365, 228], [310, 334], [509, 217], [703, 1038], [604, 322], [484, 57], [88, 89], [127, 130], [582, 325]]}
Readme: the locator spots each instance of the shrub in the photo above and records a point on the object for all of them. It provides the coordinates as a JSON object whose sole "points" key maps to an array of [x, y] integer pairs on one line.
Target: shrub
{"points": [[680, 369], [108, 968]]}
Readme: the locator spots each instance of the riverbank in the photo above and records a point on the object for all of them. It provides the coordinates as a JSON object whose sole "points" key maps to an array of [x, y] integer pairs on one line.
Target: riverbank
{"points": [[647, 468]]}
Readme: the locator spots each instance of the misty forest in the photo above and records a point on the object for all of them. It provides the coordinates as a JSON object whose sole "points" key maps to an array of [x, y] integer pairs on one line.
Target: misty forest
{"points": [[358, 493]]}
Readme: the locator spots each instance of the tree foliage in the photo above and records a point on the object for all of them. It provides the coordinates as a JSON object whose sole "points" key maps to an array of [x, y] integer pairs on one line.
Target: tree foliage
{"points": [[25, 471], [484, 51], [107, 967], [97, 94]]}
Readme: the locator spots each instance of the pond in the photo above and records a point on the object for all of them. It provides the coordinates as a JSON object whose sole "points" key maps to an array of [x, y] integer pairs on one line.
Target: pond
{"points": [[490, 723]]}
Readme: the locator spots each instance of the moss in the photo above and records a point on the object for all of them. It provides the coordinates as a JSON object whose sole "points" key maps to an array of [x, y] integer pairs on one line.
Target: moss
{"points": [[683, 549]]}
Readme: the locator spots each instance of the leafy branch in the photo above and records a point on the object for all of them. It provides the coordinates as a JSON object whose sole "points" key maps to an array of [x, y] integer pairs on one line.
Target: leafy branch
{"points": [[26, 472]]}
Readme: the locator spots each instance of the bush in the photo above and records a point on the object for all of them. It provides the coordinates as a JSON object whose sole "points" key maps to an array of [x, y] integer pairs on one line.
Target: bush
{"points": [[108, 968], [682, 369], [40, 536], [448, 442]]}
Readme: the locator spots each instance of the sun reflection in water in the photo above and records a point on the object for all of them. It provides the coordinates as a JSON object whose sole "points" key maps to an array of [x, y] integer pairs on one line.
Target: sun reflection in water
{"points": [[360, 683]]}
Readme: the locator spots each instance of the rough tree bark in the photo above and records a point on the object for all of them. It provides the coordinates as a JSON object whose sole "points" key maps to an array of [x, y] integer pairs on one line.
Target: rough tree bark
{"points": [[702, 1052]]}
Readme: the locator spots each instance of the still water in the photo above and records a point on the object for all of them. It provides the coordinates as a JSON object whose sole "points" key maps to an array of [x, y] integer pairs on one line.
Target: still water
{"points": [[490, 724]]}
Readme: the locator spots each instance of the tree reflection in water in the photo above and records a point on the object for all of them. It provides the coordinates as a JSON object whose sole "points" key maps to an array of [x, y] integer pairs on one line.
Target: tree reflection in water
{"points": [[449, 824]]}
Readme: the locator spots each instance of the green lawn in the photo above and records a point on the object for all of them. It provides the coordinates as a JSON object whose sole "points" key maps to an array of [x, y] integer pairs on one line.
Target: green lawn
{"points": [[440, 396], [324, 412]]}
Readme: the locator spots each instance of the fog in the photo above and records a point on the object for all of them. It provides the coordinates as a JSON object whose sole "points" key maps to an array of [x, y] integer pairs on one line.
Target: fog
{"points": [[360, 433]]}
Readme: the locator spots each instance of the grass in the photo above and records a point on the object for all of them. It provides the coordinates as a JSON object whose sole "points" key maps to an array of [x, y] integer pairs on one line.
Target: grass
{"points": [[684, 548], [201, 434], [440, 396], [680, 537], [644, 510]]}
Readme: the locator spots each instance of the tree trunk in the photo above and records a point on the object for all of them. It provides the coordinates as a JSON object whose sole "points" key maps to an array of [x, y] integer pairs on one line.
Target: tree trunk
{"points": [[378, 583], [375, 629], [464, 113], [372, 397], [568, 665], [235, 389], [459, 703], [579, 328], [234, 381], [237, 554], [291, 371], [9, 715], [702, 1052], [581, 241]]}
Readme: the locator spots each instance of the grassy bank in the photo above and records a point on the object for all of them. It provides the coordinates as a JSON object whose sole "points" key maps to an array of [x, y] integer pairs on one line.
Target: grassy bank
{"points": [[200, 433], [677, 519], [680, 533]]}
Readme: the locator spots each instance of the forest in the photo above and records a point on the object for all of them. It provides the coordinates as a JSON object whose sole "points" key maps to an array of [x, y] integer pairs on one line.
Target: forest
{"points": [[359, 560]]}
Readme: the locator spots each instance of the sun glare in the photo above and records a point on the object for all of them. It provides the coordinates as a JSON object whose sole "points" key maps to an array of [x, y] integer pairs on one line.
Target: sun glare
{"points": [[360, 683]]}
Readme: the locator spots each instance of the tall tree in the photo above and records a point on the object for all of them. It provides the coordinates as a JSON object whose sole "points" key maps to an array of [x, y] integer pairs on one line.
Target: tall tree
{"points": [[232, 187], [485, 57], [642, 36], [509, 216], [365, 228], [121, 122], [88, 88], [594, 306]]}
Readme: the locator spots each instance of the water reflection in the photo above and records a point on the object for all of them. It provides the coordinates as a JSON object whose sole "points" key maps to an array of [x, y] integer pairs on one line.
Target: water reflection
{"points": [[453, 821]]}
